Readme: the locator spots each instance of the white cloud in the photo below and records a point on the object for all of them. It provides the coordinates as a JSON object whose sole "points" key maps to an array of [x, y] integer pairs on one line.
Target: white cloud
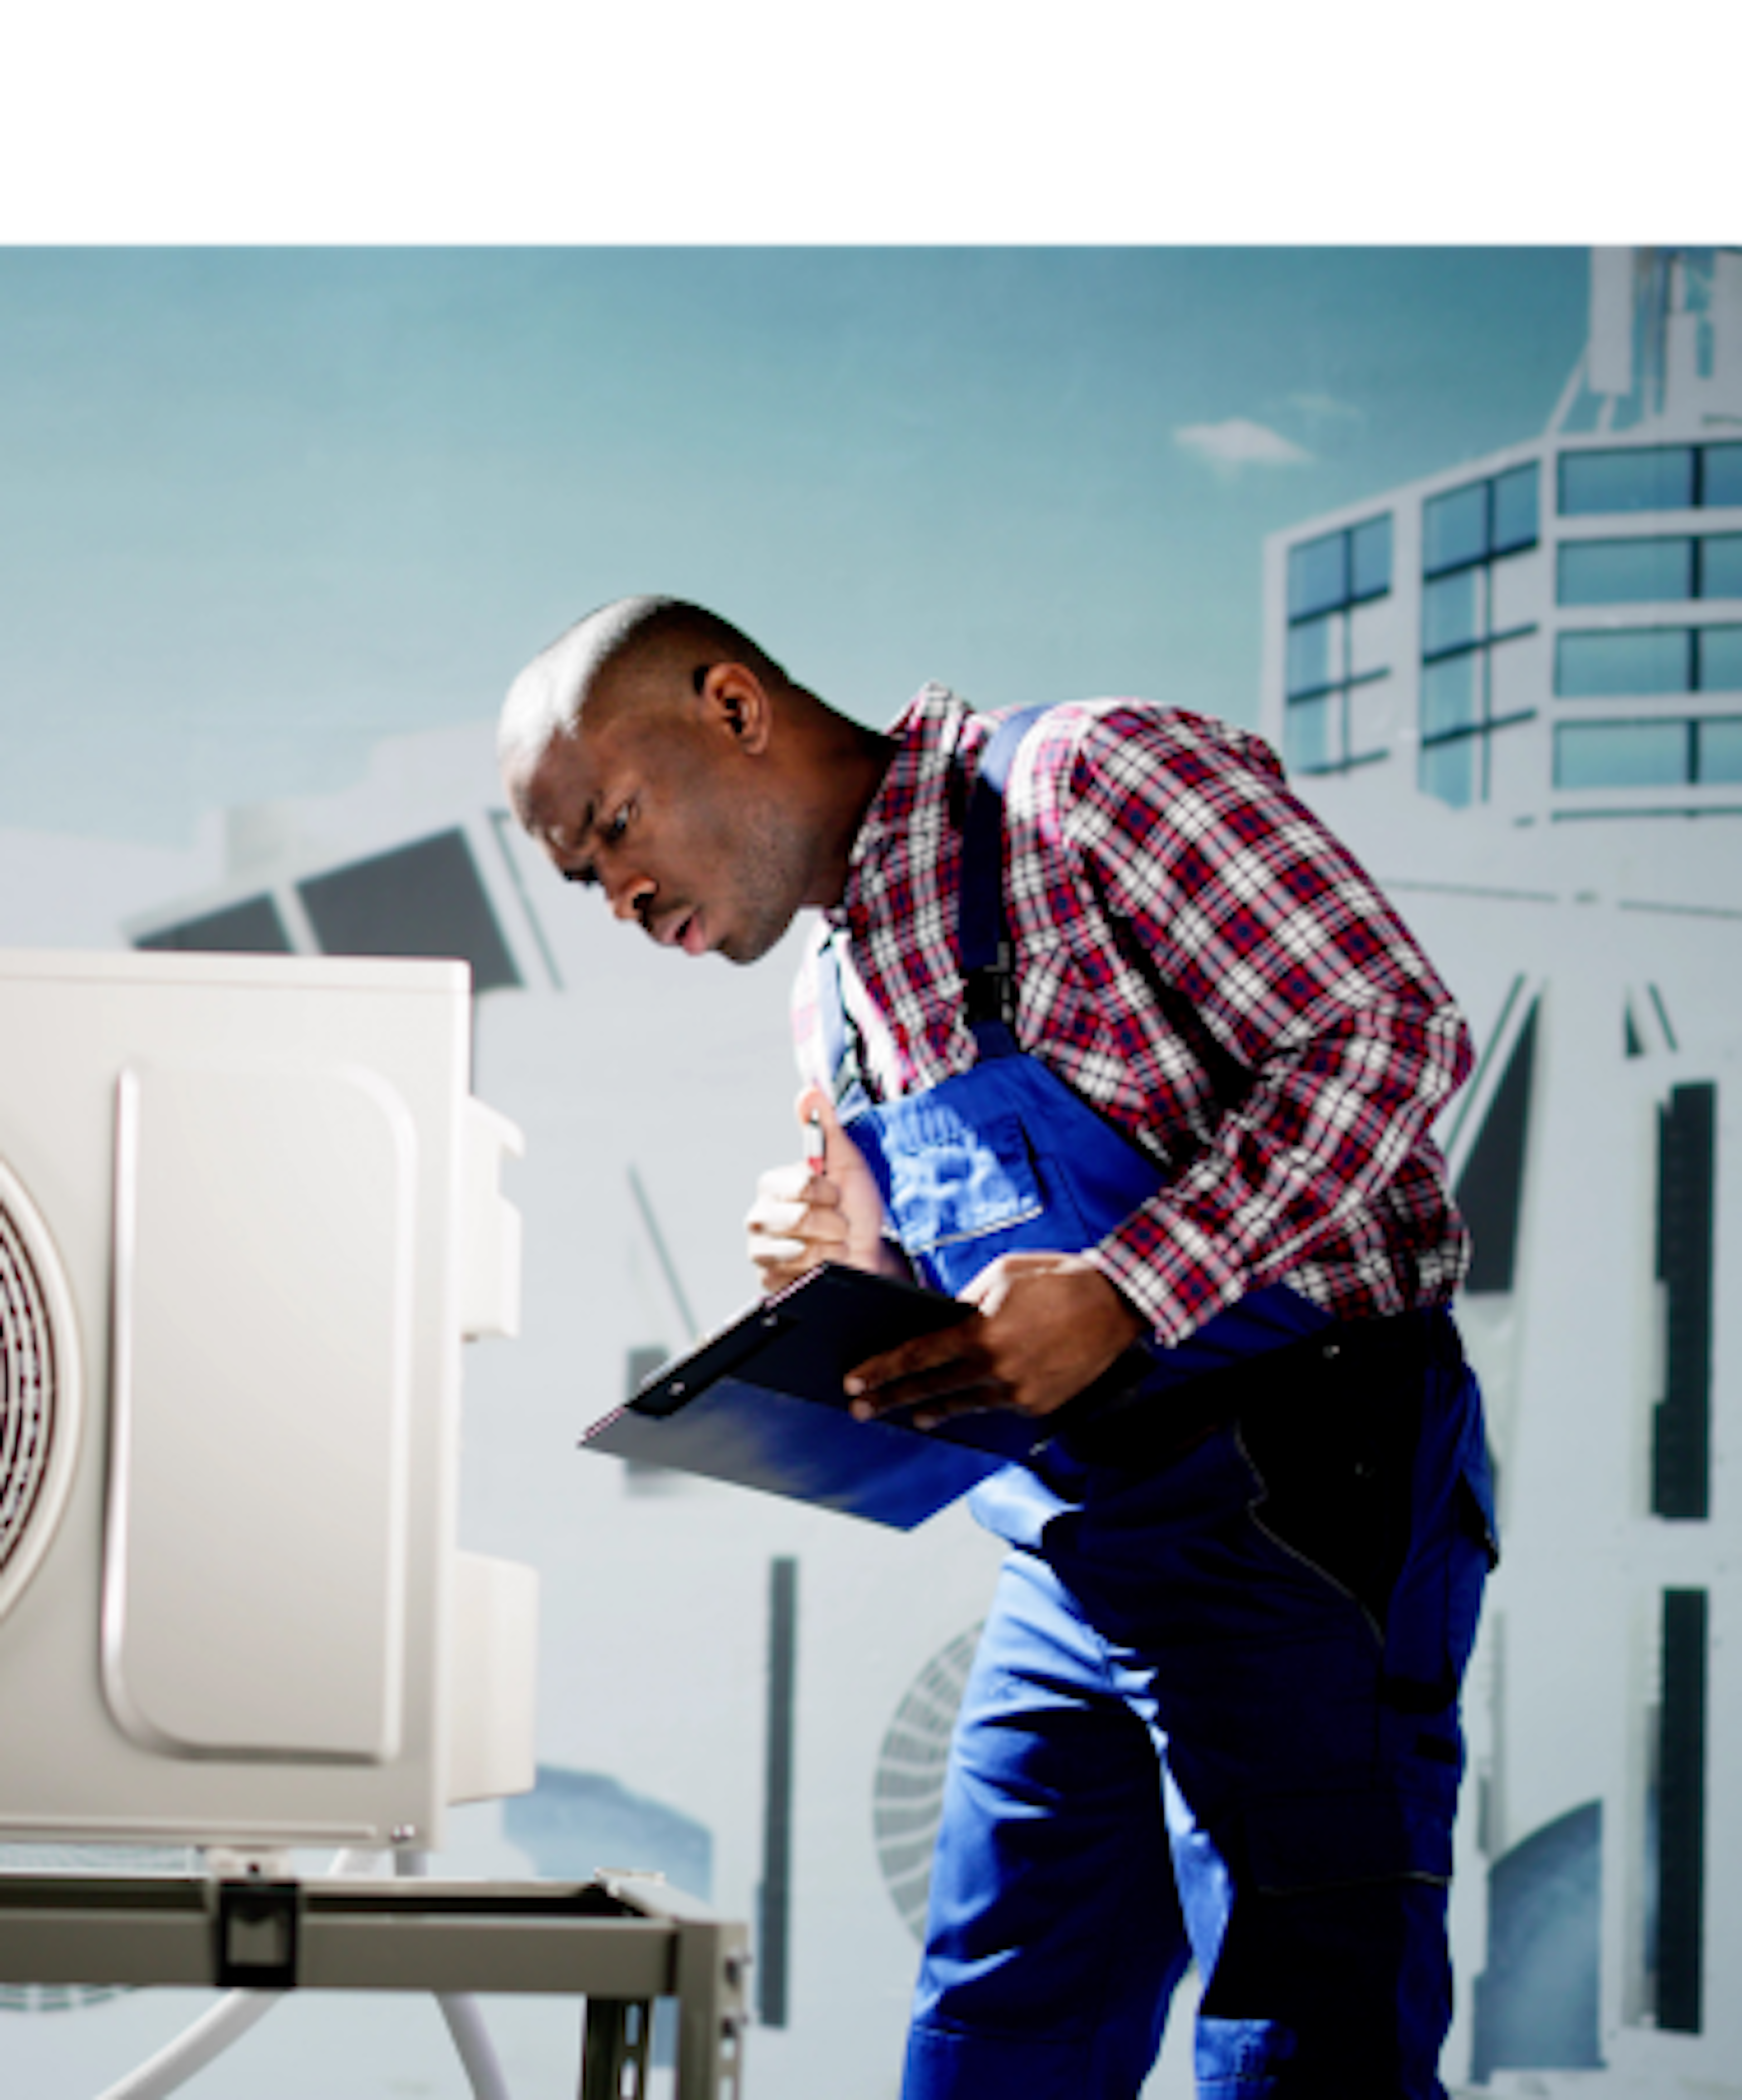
{"points": [[1239, 442]]}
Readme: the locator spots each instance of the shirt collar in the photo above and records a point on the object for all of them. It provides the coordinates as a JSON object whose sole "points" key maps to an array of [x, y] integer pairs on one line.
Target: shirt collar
{"points": [[913, 799]]}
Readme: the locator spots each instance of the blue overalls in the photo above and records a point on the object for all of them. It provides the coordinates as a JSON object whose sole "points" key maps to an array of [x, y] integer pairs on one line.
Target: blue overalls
{"points": [[1214, 1713]]}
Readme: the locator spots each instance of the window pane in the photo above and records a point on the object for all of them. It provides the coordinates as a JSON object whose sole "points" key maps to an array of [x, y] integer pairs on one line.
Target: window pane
{"points": [[1450, 694], [1370, 716], [1517, 676], [1309, 733], [1370, 558], [1450, 616], [1372, 637], [1516, 508], [1646, 477], [1318, 576], [1720, 565], [1448, 770], [1630, 659], [1454, 528], [1621, 754], [1721, 749], [1312, 652], [1721, 478], [1720, 659], [1515, 592], [1612, 571]]}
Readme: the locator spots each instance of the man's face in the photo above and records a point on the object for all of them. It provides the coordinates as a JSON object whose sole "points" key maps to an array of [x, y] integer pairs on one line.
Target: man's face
{"points": [[675, 824]]}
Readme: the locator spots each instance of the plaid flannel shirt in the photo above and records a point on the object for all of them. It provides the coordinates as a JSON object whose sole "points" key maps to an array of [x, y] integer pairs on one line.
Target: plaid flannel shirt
{"points": [[1127, 821]]}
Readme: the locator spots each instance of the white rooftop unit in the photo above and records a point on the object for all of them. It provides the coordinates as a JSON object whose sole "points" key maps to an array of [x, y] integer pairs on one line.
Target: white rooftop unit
{"points": [[247, 1211]]}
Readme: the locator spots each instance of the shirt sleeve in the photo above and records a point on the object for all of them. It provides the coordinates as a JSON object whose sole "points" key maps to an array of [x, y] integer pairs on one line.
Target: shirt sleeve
{"points": [[1293, 961]]}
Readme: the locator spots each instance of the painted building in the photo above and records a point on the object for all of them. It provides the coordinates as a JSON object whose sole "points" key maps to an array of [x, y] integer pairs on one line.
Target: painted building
{"points": [[1516, 687], [1555, 632]]}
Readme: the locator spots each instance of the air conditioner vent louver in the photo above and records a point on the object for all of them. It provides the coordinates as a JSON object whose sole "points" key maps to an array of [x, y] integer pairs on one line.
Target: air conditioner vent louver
{"points": [[38, 1389]]}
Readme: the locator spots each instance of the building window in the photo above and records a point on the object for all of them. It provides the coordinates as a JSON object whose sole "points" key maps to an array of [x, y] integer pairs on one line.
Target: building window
{"points": [[1342, 568], [1335, 642], [1700, 751], [1624, 572], [1474, 594], [1718, 656], [1720, 565], [1651, 478], [1611, 662], [1494, 517], [1617, 571], [1720, 752]]}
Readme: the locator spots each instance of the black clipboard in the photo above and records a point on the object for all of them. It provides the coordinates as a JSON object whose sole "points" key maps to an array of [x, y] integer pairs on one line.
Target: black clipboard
{"points": [[760, 1403]]}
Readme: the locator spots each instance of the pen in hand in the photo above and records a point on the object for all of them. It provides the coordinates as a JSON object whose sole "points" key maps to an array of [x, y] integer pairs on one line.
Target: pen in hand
{"points": [[816, 1145]]}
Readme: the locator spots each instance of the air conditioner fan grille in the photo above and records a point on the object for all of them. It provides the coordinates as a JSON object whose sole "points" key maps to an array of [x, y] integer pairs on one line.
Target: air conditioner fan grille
{"points": [[28, 1388]]}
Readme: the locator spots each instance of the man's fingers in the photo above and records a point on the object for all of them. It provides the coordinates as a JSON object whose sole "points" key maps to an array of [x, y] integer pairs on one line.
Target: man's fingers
{"points": [[795, 1205], [795, 1182], [1045, 1326], [775, 1215], [766, 1249], [932, 1397], [794, 1223], [927, 1369]]}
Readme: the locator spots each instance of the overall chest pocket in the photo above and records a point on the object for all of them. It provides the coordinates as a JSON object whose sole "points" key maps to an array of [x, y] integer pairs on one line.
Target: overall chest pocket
{"points": [[950, 1181]]}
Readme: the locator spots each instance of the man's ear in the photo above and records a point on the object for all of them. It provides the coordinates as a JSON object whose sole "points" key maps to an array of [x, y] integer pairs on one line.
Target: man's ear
{"points": [[735, 700]]}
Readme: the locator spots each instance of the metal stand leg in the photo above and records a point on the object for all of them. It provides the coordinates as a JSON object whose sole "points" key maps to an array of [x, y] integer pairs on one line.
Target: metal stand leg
{"points": [[711, 2014], [615, 2035]]}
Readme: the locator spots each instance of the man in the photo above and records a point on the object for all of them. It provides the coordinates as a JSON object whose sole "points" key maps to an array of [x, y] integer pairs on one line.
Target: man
{"points": [[1109, 1037]]}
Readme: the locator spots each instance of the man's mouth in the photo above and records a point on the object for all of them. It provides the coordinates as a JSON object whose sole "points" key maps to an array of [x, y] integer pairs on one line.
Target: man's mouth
{"points": [[682, 929]]}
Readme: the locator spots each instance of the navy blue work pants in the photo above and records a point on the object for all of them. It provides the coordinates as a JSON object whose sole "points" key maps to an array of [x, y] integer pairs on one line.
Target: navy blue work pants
{"points": [[1214, 1716]]}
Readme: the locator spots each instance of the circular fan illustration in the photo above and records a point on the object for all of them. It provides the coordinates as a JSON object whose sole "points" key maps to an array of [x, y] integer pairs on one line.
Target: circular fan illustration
{"points": [[38, 1389], [908, 1799]]}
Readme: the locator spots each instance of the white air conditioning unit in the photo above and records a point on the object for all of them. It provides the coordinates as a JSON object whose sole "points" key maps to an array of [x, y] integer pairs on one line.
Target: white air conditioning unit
{"points": [[247, 1211]]}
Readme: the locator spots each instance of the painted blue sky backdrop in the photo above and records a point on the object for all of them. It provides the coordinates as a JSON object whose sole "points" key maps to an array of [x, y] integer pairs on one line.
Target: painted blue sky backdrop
{"points": [[259, 508]]}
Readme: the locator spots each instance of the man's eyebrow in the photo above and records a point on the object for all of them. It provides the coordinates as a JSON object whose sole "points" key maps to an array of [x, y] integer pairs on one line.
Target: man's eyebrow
{"points": [[578, 833], [585, 873]]}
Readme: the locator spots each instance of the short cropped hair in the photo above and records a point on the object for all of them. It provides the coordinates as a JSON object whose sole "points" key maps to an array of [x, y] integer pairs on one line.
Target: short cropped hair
{"points": [[630, 633]]}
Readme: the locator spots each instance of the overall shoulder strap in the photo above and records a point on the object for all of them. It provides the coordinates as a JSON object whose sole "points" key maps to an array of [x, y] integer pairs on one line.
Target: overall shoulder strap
{"points": [[982, 928], [841, 1053], [983, 934]]}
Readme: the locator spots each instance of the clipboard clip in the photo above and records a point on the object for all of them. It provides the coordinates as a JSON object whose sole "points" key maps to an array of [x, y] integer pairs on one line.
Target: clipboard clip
{"points": [[677, 1380]]}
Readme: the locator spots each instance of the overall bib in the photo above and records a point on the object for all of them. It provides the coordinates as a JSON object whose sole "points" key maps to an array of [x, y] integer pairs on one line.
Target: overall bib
{"points": [[1214, 1714]]}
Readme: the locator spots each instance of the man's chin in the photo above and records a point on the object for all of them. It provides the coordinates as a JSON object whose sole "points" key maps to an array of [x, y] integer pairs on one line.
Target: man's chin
{"points": [[749, 945]]}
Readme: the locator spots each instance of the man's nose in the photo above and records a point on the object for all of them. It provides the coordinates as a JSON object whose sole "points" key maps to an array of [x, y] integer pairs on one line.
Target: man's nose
{"points": [[626, 893]]}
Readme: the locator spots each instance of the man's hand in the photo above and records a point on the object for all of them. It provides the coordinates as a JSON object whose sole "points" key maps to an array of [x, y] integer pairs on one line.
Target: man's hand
{"points": [[805, 1215], [1050, 1325]]}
